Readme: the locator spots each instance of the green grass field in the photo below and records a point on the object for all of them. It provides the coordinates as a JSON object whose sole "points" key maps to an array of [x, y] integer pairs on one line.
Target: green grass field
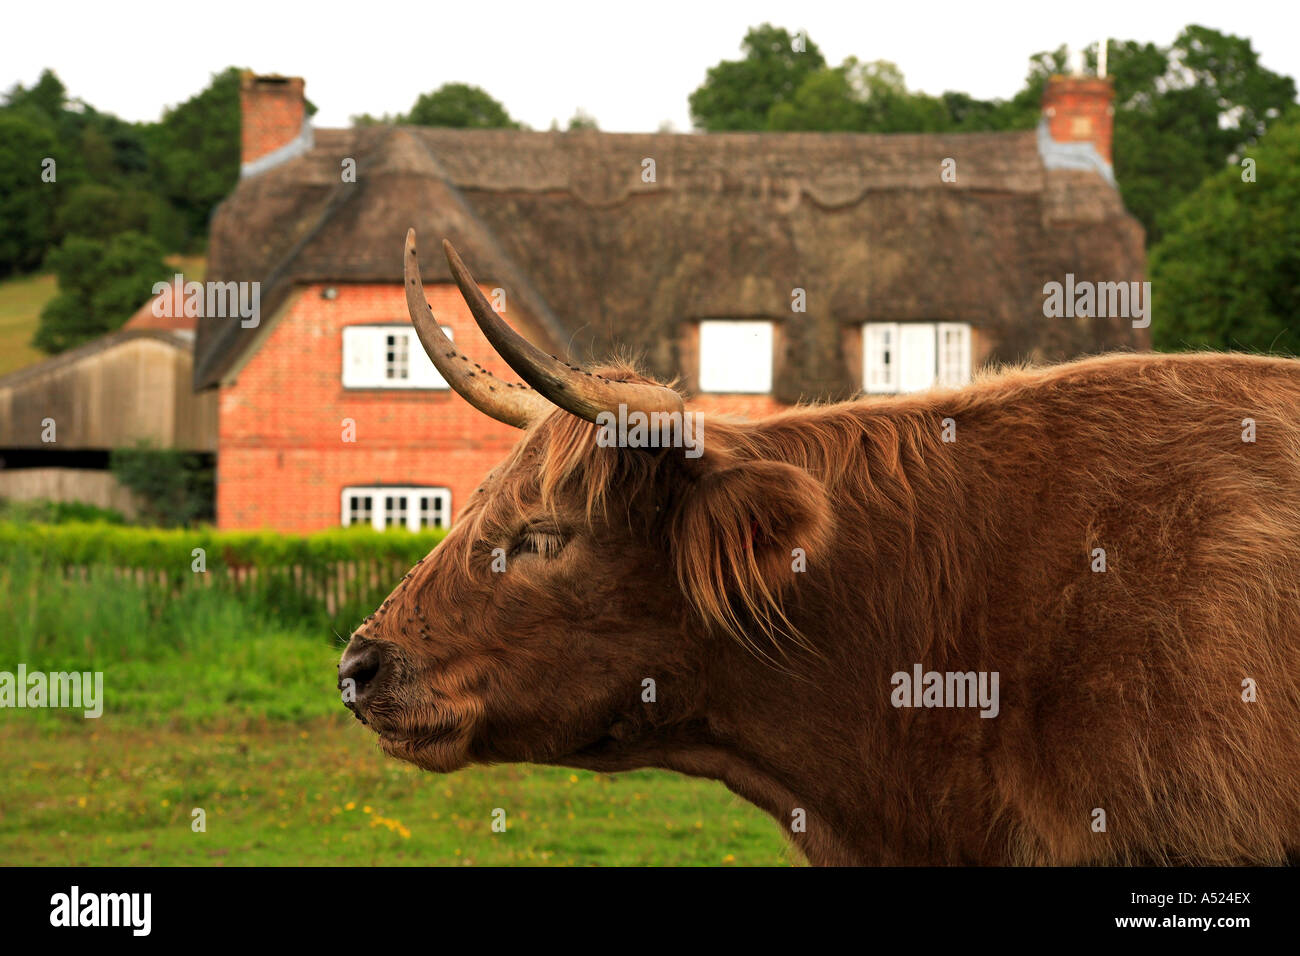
{"points": [[208, 708], [21, 301]]}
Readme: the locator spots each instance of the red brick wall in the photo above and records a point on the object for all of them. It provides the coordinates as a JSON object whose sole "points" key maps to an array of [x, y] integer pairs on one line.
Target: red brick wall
{"points": [[271, 113], [1078, 109], [281, 460]]}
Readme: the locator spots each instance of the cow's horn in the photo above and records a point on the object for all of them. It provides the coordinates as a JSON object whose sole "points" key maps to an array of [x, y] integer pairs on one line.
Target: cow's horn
{"points": [[581, 394], [515, 405]]}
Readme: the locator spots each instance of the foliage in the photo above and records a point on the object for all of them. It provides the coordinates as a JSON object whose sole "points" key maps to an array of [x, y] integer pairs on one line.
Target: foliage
{"points": [[101, 283], [162, 179], [581, 119], [152, 581], [739, 94], [175, 488], [41, 511], [195, 151], [93, 211], [776, 88], [1226, 274], [459, 105], [26, 219], [1182, 112], [873, 98], [170, 549]]}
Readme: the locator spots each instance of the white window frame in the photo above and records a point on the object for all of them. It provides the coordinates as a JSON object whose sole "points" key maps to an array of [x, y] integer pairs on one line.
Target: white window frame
{"points": [[397, 357], [379, 511], [953, 363], [882, 359], [719, 376], [365, 362]]}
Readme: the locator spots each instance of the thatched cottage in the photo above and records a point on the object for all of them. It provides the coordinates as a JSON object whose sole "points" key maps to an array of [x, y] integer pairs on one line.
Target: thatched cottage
{"points": [[756, 269]]}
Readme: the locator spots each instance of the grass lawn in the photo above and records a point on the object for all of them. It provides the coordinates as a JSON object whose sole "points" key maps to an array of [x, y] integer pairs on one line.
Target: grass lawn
{"points": [[286, 777], [21, 301]]}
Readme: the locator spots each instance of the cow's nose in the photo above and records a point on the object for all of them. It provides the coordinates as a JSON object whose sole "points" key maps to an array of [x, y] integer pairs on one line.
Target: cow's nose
{"points": [[363, 665]]}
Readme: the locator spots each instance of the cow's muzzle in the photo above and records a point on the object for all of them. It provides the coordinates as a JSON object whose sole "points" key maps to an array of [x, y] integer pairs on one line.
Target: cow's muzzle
{"points": [[364, 670]]}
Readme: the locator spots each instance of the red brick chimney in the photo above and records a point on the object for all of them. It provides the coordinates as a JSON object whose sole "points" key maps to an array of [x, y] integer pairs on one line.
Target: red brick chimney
{"points": [[273, 111], [1078, 110]]}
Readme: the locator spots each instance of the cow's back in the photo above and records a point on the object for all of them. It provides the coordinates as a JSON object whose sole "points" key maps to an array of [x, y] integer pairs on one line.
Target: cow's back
{"points": [[1148, 620]]}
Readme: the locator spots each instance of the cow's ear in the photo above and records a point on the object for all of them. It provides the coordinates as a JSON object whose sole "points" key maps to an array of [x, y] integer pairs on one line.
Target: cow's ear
{"points": [[744, 535]]}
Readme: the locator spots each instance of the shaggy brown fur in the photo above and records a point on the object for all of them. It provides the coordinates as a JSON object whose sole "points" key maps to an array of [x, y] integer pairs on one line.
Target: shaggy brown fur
{"points": [[1120, 690]]}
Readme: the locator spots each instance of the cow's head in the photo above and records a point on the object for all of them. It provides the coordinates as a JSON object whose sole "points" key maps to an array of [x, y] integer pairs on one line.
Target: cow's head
{"points": [[578, 572]]}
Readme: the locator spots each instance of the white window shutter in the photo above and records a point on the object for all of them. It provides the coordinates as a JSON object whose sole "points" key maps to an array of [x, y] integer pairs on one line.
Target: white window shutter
{"points": [[362, 356], [735, 356], [424, 374], [916, 348], [880, 357], [954, 353]]}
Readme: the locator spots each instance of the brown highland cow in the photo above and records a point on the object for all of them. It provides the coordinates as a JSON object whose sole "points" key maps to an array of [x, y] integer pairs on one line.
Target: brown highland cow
{"points": [[1049, 618]]}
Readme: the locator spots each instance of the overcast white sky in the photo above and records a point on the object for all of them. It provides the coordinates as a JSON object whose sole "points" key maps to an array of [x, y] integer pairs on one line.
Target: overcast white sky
{"points": [[630, 64]]}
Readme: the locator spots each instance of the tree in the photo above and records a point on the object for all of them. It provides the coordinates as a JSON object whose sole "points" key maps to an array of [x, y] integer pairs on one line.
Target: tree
{"points": [[366, 119], [461, 106], [44, 101], [740, 94], [111, 175], [175, 488], [888, 106], [581, 119], [195, 151], [101, 283], [101, 212], [26, 201], [1183, 111], [1226, 274], [775, 87], [874, 98], [824, 101]]}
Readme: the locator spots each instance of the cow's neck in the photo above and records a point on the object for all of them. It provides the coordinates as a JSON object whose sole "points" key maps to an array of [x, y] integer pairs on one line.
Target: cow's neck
{"points": [[785, 742]]}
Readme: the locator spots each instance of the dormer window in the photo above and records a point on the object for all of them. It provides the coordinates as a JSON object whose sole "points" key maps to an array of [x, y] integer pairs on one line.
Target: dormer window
{"points": [[913, 356], [387, 356], [735, 356]]}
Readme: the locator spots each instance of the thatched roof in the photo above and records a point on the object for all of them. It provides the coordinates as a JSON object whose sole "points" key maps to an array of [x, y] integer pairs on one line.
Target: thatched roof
{"points": [[605, 262]]}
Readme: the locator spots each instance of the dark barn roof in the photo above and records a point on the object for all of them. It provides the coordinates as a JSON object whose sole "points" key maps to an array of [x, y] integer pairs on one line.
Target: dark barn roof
{"points": [[733, 222]]}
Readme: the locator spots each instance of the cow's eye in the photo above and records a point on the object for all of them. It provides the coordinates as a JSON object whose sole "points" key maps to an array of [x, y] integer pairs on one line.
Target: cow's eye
{"points": [[544, 544]]}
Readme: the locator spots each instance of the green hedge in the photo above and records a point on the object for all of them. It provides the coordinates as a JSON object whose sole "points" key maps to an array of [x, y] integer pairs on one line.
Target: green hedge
{"points": [[171, 549], [328, 579]]}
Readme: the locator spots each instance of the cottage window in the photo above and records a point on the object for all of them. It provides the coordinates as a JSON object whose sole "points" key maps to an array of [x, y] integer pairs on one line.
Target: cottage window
{"points": [[383, 507], [396, 356], [954, 353], [357, 509], [911, 356], [432, 513], [880, 351], [387, 356], [735, 356], [395, 510]]}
